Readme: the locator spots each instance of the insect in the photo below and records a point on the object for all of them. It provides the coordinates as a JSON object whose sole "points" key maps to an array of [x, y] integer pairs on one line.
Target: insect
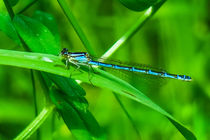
{"points": [[83, 58]]}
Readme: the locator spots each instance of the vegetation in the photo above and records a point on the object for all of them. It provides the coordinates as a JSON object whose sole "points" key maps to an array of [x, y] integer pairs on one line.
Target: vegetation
{"points": [[40, 99]]}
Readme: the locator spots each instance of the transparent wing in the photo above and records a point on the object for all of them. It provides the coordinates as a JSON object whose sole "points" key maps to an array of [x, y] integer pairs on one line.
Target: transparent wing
{"points": [[127, 64], [146, 83]]}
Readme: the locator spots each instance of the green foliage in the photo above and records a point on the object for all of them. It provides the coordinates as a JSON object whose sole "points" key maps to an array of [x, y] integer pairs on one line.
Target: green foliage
{"points": [[36, 34], [7, 27], [76, 116], [75, 24], [101, 79], [139, 5], [13, 2], [170, 38], [50, 22]]}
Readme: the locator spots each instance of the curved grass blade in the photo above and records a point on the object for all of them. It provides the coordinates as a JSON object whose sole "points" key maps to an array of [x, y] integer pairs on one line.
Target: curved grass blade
{"points": [[67, 11], [99, 78], [106, 80]]}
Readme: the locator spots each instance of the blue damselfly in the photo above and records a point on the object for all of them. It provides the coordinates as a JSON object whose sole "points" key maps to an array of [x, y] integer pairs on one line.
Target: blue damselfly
{"points": [[83, 58]]}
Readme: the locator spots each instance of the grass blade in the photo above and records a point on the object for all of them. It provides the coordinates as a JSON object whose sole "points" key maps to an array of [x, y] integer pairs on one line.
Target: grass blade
{"points": [[100, 78]]}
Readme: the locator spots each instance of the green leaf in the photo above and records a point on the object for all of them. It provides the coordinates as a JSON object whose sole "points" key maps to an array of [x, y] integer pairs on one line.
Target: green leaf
{"points": [[79, 120], [49, 21], [43, 62], [100, 78], [139, 5], [36, 35], [106, 80], [36, 123], [69, 86], [7, 27], [13, 2], [40, 39]]}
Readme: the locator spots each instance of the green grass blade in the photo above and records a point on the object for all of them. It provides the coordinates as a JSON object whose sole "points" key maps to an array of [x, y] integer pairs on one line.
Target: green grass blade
{"points": [[132, 31], [13, 2], [75, 24], [26, 6], [9, 8], [128, 116], [43, 62], [52, 64], [34, 125], [35, 100], [106, 80]]}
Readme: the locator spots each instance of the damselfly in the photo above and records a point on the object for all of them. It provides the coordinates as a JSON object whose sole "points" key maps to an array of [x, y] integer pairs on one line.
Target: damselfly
{"points": [[83, 58]]}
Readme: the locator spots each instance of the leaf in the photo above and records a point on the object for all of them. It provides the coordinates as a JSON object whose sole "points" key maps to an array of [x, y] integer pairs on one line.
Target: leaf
{"points": [[105, 80], [40, 39], [69, 86], [43, 62], [99, 78], [13, 2], [49, 21], [36, 35], [7, 27], [80, 121], [139, 5]]}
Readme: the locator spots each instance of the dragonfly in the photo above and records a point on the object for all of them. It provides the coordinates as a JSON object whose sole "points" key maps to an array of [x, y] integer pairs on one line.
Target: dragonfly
{"points": [[83, 58]]}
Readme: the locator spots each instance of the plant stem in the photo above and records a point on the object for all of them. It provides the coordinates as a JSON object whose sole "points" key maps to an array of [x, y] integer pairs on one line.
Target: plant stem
{"points": [[12, 14], [146, 16], [35, 124], [128, 115], [27, 6], [76, 26], [140, 22], [35, 101], [9, 9]]}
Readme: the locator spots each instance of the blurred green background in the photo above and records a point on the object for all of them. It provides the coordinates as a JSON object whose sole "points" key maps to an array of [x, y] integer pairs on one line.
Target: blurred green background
{"points": [[176, 38]]}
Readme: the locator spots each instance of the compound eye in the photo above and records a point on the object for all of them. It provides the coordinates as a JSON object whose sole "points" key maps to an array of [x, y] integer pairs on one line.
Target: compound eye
{"points": [[64, 51]]}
